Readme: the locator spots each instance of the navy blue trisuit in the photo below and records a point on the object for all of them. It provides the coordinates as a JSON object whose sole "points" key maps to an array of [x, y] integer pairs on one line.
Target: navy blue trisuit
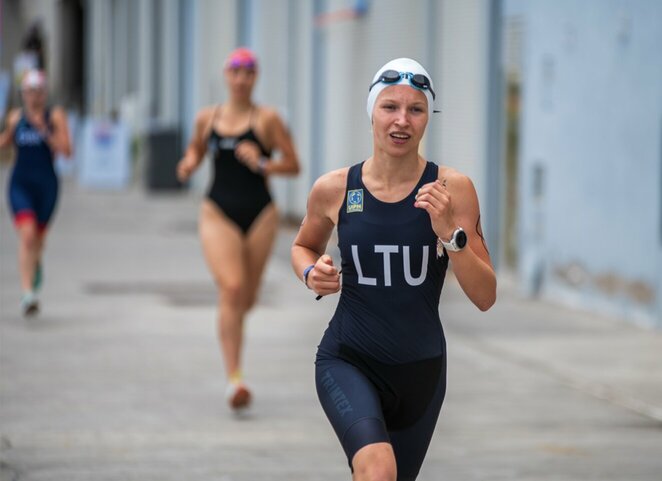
{"points": [[33, 184], [380, 368]]}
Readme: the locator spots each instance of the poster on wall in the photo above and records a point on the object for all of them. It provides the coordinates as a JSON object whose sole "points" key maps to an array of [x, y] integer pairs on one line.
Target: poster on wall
{"points": [[103, 158]]}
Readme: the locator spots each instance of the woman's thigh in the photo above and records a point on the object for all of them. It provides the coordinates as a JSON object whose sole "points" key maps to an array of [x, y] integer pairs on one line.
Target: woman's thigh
{"points": [[411, 443], [223, 246], [351, 403], [259, 243]]}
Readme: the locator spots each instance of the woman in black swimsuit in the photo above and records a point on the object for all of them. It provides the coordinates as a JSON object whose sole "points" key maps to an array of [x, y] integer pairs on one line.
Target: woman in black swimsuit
{"points": [[238, 219]]}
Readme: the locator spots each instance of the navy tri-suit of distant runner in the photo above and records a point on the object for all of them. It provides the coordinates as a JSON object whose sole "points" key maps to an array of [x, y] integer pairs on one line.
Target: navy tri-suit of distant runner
{"points": [[33, 186]]}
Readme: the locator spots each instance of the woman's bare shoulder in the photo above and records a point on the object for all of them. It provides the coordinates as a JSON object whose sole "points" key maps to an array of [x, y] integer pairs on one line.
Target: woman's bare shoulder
{"points": [[329, 188], [268, 119], [14, 115], [327, 194], [333, 180], [205, 114], [453, 178], [58, 113]]}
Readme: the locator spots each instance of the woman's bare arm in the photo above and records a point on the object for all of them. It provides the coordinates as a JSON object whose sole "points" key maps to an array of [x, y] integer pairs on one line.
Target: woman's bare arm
{"points": [[197, 147], [452, 202], [309, 246], [7, 135]]}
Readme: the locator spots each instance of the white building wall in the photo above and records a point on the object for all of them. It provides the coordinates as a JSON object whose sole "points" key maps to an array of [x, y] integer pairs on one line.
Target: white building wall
{"points": [[464, 88], [591, 173], [270, 34], [301, 90], [121, 40], [146, 49], [169, 41], [214, 33]]}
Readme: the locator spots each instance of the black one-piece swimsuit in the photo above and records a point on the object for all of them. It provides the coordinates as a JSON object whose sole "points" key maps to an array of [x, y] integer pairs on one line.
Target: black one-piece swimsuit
{"points": [[239, 193]]}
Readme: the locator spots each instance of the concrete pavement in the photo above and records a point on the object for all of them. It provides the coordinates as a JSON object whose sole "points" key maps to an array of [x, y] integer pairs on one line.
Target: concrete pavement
{"points": [[120, 377]]}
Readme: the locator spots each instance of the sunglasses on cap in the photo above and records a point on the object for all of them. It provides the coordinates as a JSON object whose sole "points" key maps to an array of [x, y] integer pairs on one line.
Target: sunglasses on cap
{"points": [[416, 80]]}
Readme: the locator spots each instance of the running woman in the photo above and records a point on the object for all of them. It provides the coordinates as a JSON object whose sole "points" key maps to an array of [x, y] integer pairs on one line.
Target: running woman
{"points": [[238, 218], [381, 364], [38, 133]]}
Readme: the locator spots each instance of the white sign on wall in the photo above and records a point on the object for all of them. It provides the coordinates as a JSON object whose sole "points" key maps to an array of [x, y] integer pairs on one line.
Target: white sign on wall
{"points": [[104, 157]]}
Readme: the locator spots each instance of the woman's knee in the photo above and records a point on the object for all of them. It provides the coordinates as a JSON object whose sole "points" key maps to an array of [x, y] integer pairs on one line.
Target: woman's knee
{"points": [[375, 462], [375, 472], [232, 296], [29, 235]]}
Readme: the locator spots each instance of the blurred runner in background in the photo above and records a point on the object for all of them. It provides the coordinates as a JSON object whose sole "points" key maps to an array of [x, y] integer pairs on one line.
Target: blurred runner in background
{"points": [[238, 218], [38, 132]]}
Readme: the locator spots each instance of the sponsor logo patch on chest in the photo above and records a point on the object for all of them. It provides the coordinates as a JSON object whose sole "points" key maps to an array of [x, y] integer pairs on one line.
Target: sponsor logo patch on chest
{"points": [[354, 200]]}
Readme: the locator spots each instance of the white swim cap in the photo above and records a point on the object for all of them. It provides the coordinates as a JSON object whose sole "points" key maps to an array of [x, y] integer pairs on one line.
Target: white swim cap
{"points": [[402, 65], [33, 79]]}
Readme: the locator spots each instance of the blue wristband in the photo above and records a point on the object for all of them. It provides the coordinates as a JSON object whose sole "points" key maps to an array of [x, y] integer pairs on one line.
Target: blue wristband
{"points": [[306, 271]]}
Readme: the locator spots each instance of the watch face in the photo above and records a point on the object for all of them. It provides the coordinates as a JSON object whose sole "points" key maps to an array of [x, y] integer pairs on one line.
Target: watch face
{"points": [[460, 239]]}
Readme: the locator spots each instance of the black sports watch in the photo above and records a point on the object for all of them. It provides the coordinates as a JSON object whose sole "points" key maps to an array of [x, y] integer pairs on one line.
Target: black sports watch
{"points": [[458, 241]]}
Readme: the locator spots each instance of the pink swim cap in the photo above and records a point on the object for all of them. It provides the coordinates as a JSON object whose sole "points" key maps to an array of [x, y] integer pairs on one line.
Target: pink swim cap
{"points": [[241, 57]]}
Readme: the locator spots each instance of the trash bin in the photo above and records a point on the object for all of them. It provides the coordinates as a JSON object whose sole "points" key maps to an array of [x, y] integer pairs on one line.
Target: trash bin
{"points": [[162, 152]]}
